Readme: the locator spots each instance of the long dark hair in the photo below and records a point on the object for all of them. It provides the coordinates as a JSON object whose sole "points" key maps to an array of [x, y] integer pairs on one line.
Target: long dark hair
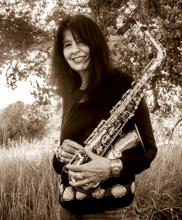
{"points": [[66, 79]]}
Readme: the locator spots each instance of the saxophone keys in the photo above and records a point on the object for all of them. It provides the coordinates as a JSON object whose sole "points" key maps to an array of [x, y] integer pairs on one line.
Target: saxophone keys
{"points": [[129, 107], [98, 149], [111, 131], [133, 84], [105, 139]]}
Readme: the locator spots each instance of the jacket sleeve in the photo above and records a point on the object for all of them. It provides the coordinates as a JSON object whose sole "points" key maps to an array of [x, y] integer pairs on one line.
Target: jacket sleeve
{"points": [[139, 158], [57, 165]]}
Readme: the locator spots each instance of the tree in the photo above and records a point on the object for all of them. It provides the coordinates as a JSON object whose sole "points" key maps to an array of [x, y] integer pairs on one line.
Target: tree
{"points": [[163, 19], [26, 41], [22, 121]]}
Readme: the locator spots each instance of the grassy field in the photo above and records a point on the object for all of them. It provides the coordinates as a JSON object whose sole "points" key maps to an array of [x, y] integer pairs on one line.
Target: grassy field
{"points": [[29, 191], [28, 184], [159, 189]]}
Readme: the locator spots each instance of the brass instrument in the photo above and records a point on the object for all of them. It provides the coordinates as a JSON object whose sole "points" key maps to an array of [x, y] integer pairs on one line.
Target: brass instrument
{"points": [[108, 131]]}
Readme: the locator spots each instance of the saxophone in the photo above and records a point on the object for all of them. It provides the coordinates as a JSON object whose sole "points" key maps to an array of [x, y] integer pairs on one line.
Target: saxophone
{"points": [[109, 132], [107, 139]]}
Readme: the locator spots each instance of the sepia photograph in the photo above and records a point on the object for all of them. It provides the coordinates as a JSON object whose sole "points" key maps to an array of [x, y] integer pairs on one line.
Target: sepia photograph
{"points": [[90, 110]]}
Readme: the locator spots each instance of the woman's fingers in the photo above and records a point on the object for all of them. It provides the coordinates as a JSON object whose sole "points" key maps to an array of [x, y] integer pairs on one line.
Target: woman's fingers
{"points": [[71, 147], [77, 179], [67, 150], [75, 176], [80, 183], [67, 155], [85, 184]]}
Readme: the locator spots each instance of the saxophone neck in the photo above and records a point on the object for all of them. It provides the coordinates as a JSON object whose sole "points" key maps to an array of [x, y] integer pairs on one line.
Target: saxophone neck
{"points": [[161, 52]]}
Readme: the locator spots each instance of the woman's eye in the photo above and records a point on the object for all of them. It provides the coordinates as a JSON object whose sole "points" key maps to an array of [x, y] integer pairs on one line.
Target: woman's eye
{"points": [[67, 45]]}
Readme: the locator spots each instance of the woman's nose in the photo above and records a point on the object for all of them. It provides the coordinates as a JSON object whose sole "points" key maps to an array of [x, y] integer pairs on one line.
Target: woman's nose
{"points": [[75, 48]]}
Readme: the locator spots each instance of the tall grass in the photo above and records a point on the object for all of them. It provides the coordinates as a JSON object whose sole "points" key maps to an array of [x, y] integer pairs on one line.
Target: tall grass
{"points": [[159, 189], [29, 190], [28, 185]]}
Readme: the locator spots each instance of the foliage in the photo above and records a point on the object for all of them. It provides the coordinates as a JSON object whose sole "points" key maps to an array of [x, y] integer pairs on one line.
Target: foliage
{"points": [[27, 35], [26, 39], [18, 29], [22, 121], [132, 52]]}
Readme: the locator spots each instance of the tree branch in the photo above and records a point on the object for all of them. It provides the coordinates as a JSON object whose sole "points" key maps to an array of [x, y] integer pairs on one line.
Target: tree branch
{"points": [[176, 124]]}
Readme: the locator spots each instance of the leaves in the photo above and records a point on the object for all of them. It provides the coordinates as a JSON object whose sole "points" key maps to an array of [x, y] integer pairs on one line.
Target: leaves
{"points": [[27, 30]]}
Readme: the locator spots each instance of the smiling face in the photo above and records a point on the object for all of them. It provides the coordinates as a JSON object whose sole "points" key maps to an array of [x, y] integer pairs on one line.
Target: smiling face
{"points": [[76, 52]]}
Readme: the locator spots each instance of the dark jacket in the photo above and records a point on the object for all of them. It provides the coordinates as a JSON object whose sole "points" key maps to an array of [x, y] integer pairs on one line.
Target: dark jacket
{"points": [[79, 120]]}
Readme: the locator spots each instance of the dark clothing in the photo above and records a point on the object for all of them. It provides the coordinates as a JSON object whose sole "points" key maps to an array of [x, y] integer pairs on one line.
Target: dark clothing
{"points": [[129, 213], [79, 120]]}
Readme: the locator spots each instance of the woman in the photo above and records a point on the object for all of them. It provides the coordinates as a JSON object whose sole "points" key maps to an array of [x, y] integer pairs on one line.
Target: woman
{"points": [[90, 86]]}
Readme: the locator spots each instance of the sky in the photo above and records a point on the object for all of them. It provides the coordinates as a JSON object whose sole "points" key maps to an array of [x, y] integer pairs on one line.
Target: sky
{"points": [[9, 96], [22, 92]]}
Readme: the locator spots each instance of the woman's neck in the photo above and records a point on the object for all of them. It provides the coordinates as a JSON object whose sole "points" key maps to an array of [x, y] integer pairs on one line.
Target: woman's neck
{"points": [[84, 78]]}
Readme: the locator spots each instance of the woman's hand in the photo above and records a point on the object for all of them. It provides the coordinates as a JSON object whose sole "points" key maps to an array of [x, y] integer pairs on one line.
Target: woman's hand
{"points": [[89, 174], [67, 150]]}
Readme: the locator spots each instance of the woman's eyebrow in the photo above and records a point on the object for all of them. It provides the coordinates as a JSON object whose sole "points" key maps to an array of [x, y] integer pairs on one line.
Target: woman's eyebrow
{"points": [[66, 41]]}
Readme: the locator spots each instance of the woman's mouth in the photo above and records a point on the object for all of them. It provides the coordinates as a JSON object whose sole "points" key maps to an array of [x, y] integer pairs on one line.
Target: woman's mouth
{"points": [[79, 59]]}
